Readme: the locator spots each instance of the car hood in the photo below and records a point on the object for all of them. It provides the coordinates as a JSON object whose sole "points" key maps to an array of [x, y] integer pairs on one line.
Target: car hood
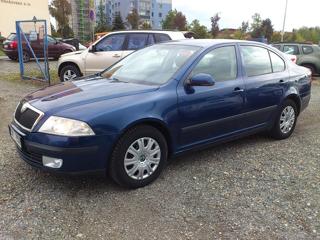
{"points": [[79, 93], [72, 53]]}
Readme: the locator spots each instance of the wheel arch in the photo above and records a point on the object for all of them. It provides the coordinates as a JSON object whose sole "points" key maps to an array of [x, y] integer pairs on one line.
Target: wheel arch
{"points": [[294, 97], [156, 123], [62, 65]]}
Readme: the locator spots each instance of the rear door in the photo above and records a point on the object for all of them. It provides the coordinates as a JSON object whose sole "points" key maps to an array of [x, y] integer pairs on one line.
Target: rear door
{"points": [[107, 52], [136, 41], [266, 78]]}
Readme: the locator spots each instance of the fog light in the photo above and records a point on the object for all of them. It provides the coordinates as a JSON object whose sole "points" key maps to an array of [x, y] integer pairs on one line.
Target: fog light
{"points": [[51, 162]]}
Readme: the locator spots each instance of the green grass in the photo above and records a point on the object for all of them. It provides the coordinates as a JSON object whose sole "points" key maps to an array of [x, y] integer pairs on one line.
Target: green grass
{"points": [[1, 52], [15, 77]]}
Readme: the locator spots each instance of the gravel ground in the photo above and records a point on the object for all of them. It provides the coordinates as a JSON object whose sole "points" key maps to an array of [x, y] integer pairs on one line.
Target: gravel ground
{"points": [[254, 188], [9, 66]]}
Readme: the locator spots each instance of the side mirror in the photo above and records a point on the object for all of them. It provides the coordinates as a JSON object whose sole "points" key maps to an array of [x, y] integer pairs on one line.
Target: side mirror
{"points": [[92, 48], [201, 79]]}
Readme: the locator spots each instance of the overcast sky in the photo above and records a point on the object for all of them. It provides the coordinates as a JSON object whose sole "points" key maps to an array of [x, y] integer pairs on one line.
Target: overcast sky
{"points": [[233, 12]]}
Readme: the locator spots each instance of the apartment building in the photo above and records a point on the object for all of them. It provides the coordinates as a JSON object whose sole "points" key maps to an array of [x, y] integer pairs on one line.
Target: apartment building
{"points": [[80, 21], [150, 11]]}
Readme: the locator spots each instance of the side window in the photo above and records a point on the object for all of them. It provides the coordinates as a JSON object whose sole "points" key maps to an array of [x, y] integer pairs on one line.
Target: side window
{"points": [[256, 60], [277, 46], [291, 49], [51, 40], [278, 64], [137, 41], [111, 43], [307, 49], [220, 63], [150, 40], [160, 37]]}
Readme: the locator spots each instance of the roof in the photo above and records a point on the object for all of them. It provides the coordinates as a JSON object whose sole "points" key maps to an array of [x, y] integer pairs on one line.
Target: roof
{"points": [[209, 42]]}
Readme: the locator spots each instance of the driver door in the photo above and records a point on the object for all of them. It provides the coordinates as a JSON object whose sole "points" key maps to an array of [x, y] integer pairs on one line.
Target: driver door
{"points": [[211, 112], [107, 52]]}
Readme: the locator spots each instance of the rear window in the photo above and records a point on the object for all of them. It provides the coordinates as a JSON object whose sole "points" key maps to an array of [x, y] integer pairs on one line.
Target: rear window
{"points": [[160, 37], [256, 60], [137, 41], [307, 49], [12, 37]]}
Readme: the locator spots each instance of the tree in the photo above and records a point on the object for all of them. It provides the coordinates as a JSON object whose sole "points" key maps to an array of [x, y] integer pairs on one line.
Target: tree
{"points": [[61, 10], [175, 20], [53, 31], [200, 31], [244, 27], [117, 22], [145, 25], [256, 26], [134, 18], [215, 25], [102, 25], [267, 29]]}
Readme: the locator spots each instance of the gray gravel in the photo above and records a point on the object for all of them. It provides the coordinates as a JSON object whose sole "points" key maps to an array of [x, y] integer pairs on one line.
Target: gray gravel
{"points": [[254, 188], [9, 66]]}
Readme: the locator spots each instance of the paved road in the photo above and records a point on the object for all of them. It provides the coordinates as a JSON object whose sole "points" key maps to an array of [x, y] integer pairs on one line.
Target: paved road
{"points": [[254, 188]]}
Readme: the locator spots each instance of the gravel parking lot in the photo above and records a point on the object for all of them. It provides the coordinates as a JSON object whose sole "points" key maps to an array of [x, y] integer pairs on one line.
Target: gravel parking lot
{"points": [[9, 66], [254, 188]]}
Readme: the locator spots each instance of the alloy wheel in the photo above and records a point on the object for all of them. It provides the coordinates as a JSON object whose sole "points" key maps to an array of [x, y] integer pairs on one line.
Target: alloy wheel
{"points": [[142, 158], [287, 119], [69, 75]]}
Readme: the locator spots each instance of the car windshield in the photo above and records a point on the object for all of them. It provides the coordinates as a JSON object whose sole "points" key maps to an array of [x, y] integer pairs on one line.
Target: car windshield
{"points": [[153, 65], [11, 37]]}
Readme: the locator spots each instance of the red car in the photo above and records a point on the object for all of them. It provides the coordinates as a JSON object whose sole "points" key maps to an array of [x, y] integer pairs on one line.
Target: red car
{"points": [[55, 48]]}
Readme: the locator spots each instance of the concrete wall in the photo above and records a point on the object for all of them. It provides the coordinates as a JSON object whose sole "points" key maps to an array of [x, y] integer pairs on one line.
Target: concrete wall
{"points": [[13, 10]]}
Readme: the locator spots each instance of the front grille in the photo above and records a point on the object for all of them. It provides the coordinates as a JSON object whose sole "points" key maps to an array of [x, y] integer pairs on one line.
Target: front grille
{"points": [[30, 157], [26, 115]]}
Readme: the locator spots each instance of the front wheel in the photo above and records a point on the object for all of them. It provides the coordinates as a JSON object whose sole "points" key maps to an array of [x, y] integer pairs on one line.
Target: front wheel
{"points": [[286, 120], [139, 157], [69, 72]]}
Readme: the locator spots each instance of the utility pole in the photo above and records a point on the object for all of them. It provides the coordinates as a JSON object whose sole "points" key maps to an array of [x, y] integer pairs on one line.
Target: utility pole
{"points": [[284, 21]]}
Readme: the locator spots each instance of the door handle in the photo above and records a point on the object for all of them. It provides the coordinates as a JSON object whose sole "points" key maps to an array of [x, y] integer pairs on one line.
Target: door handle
{"points": [[238, 90], [116, 56]]}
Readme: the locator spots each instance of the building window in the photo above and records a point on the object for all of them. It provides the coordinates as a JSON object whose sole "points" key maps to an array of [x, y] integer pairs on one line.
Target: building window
{"points": [[160, 15], [152, 14]]}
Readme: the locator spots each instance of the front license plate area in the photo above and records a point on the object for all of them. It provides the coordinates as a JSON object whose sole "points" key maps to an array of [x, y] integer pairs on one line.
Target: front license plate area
{"points": [[15, 136]]}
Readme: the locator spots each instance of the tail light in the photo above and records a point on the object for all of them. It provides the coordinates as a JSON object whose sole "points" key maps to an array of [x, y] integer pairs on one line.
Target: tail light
{"points": [[294, 59], [13, 45]]}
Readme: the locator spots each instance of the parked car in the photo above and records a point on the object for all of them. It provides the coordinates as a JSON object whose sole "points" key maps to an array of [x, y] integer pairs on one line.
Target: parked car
{"points": [[109, 49], [55, 48], [158, 102], [308, 55]]}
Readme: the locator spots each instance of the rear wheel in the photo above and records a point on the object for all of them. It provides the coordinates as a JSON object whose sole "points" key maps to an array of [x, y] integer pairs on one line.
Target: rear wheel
{"points": [[25, 56], [69, 72], [139, 157], [12, 58], [286, 120]]}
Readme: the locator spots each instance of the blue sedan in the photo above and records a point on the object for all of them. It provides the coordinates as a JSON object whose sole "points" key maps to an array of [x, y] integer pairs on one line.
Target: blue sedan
{"points": [[159, 102]]}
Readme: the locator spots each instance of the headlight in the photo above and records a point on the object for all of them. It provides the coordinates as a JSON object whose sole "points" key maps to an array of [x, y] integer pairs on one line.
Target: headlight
{"points": [[66, 127]]}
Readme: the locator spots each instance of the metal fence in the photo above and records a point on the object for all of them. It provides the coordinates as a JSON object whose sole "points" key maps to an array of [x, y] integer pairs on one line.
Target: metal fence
{"points": [[33, 49]]}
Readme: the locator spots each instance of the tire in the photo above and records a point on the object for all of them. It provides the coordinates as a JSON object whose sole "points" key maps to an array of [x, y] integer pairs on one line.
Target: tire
{"points": [[311, 68], [284, 125], [69, 72], [26, 56], [140, 169], [13, 58]]}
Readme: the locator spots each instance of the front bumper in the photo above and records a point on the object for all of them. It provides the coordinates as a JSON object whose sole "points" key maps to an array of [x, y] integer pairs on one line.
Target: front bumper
{"points": [[79, 154]]}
